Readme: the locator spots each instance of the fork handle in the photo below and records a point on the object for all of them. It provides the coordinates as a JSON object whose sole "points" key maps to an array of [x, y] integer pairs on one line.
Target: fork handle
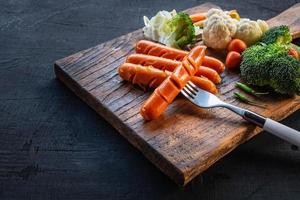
{"points": [[273, 127], [282, 131]]}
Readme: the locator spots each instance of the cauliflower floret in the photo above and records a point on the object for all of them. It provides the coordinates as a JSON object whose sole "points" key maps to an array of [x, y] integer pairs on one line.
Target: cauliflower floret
{"points": [[218, 30], [213, 11], [231, 24], [263, 25], [250, 31]]}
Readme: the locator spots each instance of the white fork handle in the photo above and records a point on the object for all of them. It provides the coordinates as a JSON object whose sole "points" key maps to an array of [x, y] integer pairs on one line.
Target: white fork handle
{"points": [[282, 131], [269, 125]]}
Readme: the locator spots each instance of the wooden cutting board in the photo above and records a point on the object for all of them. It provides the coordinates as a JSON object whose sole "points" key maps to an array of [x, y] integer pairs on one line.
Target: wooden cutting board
{"points": [[185, 140]]}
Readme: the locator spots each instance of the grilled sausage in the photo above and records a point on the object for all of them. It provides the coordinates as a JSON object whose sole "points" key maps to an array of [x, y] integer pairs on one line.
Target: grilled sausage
{"points": [[166, 92]]}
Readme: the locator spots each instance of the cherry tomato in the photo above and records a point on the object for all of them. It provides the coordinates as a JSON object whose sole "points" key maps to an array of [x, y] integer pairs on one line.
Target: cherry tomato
{"points": [[237, 45], [294, 53], [233, 60]]}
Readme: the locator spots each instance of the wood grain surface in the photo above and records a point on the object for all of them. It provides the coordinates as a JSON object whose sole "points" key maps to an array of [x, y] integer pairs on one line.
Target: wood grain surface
{"points": [[290, 17], [185, 140]]}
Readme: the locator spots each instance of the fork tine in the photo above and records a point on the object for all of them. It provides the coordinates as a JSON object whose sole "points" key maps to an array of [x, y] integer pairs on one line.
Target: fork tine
{"points": [[191, 94], [189, 88], [191, 84], [191, 98]]}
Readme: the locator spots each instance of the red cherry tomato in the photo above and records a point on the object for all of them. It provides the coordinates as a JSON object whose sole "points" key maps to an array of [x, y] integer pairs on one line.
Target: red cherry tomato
{"points": [[237, 45], [294, 53], [233, 60]]}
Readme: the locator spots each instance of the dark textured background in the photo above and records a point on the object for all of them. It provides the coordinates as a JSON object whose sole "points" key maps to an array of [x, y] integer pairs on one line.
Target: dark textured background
{"points": [[53, 146]]}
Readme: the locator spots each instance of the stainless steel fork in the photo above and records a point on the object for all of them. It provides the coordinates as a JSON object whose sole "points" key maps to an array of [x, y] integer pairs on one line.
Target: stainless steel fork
{"points": [[205, 99]]}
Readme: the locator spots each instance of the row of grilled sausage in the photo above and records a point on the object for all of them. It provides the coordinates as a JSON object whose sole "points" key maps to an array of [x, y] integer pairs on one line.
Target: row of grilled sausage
{"points": [[168, 70]]}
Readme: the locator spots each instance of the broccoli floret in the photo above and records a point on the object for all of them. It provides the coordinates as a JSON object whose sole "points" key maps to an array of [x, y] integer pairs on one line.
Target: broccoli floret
{"points": [[285, 73], [181, 29], [271, 65], [277, 34]]}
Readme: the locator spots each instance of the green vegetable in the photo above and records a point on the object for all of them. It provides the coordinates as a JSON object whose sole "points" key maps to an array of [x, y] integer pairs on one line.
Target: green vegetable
{"points": [[180, 31], [248, 89], [170, 28], [270, 65], [246, 100], [277, 34]]}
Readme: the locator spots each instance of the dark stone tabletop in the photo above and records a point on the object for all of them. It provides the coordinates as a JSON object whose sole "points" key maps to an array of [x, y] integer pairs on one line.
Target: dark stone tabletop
{"points": [[53, 146]]}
